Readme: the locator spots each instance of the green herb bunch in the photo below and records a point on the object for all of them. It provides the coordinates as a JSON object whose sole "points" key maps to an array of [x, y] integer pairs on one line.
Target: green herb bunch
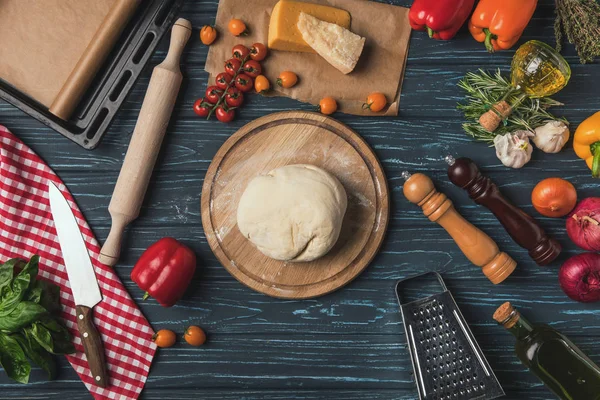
{"points": [[579, 21], [484, 90], [29, 324]]}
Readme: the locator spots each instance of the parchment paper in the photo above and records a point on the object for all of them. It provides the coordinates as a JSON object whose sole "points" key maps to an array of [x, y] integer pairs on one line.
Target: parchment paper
{"points": [[380, 68], [42, 40]]}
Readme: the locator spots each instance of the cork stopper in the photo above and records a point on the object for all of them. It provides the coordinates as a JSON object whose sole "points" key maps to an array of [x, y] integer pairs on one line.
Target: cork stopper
{"points": [[491, 119], [507, 315]]}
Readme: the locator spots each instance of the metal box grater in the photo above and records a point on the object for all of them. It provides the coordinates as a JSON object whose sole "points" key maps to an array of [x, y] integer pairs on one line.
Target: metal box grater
{"points": [[447, 362]]}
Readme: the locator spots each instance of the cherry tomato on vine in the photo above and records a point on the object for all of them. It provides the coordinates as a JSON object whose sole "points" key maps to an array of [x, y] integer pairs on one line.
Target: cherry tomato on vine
{"points": [[234, 97], [258, 51], [164, 338], [208, 34], [328, 105], [240, 52], [262, 84], [375, 102], [224, 115], [202, 107], [223, 80], [232, 66], [287, 79], [213, 94], [237, 27], [243, 82], [252, 68], [195, 336]]}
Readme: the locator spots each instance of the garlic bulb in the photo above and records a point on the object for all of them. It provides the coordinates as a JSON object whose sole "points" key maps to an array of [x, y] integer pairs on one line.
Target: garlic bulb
{"points": [[514, 149], [551, 137]]}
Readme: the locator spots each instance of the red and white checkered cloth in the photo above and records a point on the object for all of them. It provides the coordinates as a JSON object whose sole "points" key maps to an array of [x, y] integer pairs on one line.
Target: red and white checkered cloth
{"points": [[27, 228]]}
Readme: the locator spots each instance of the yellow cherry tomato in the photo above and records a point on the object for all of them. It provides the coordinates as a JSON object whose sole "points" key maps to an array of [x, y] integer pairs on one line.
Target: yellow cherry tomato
{"points": [[287, 79], [237, 27], [375, 102], [195, 336], [262, 84], [208, 34], [164, 338], [328, 105]]}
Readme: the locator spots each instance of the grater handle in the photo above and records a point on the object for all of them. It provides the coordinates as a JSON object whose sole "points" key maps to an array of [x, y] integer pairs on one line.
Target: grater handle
{"points": [[437, 275]]}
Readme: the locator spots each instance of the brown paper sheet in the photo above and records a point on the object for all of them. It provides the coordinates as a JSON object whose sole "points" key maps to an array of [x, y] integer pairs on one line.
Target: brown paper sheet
{"points": [[42, 40], [380, 68]]}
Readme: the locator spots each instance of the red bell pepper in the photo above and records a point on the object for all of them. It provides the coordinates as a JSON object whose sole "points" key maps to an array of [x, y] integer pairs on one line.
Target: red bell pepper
{"points": [[441, 18], [164, 271]]}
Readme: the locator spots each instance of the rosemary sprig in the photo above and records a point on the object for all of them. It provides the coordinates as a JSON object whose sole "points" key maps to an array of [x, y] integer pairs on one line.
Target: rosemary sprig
{"points": [[484, 89], [579, 21]]}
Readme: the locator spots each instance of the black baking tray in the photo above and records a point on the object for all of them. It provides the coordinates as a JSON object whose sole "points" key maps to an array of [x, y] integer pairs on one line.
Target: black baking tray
{"points": [[113, 82]]}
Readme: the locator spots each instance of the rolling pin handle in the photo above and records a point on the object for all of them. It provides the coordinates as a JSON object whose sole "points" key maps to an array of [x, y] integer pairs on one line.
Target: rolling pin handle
{"points": [[109, 254], [180, 34]]}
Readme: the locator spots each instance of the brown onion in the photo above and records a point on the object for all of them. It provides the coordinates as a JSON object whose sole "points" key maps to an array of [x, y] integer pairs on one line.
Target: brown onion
{"points": [[579, 277], [554, 197], [583, 224]]}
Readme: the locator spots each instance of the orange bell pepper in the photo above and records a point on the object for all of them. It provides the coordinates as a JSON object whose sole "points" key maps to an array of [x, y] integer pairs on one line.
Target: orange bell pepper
{"points": [[586, 143], [500, 23]]}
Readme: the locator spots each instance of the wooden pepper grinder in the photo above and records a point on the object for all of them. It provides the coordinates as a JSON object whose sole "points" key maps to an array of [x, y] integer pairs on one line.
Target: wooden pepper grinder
{"points": [[524, 230], [478, 247]]}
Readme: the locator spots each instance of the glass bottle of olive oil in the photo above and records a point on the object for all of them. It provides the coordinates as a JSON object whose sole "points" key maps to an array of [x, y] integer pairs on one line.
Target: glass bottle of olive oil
{"points": [[549, 354]]}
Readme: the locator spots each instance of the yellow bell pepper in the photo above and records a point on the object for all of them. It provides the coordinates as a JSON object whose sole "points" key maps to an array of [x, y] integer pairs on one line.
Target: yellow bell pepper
{"points": [[586, 143]]}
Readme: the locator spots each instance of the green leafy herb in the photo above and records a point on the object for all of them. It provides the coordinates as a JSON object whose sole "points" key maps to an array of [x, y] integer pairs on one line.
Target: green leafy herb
{"points": [[579, 20], [29, 328], [484, 89]]}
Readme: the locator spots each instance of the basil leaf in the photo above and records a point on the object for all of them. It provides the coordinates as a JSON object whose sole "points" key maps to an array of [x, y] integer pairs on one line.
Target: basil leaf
{"points": [[37, 354], [24, 314], [7, 271], [19, 287], [13, 360], [50, 299], [61, 337], [34, 294], [42, 335]]}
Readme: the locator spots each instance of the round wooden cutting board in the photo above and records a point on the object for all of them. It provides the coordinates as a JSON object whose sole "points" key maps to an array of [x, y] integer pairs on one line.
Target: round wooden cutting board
{"points": [[296, 138]]}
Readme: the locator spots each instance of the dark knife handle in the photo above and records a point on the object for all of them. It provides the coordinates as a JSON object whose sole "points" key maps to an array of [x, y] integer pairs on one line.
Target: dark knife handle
{"points": [[92, 345], [524, 230]]}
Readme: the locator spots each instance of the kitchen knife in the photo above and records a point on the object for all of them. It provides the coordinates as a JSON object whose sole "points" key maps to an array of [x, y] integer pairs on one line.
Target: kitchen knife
{"points": [[82, 279]]}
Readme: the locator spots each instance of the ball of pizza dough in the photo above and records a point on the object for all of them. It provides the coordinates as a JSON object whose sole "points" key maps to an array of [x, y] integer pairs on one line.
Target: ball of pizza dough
{"points": [[293, 213]]}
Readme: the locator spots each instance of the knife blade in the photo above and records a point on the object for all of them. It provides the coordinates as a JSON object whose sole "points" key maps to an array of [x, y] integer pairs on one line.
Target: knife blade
{"points": [[82, 279]]}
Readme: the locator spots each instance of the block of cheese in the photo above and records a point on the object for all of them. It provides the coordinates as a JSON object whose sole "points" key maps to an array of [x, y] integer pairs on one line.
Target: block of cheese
{"points": [[338, 46], [283, 30]]}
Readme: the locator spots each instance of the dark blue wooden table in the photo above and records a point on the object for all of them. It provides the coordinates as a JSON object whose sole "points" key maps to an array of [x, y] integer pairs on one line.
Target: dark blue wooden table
{"points": [[349, 344]]}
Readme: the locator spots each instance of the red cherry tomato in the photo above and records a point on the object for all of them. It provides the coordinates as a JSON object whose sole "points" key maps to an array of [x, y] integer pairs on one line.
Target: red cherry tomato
{"points": [[224, 115], [213, 94], [202, 107], [232, 66], [233, 97], [243, 82], [223, 80], [258, 51], [240, 52], [252, 68]]}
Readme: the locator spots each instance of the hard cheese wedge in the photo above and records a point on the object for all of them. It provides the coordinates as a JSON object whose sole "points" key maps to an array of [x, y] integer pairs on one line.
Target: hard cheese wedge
{"points": [[338, 46], [283, 31]]}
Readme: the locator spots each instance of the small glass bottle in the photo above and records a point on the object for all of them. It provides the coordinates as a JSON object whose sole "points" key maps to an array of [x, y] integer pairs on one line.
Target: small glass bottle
{"points": [[550, 355]]}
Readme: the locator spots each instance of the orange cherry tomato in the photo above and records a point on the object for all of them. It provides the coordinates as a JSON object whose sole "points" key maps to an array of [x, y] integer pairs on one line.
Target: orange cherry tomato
{"points": [[195, 336], [208, 34], [375, 102], [237, 27], [328, 105], [287, 79], [164, 338], [262, 84]]}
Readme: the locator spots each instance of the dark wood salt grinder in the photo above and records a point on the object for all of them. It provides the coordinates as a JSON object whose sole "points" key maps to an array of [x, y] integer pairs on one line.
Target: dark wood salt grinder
{"points": [[524, 230]]}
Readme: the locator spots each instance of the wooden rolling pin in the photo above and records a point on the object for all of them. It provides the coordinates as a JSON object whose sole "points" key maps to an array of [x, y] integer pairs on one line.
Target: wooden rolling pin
{"points": [[478, 247], [145, 143], [524, 230]]}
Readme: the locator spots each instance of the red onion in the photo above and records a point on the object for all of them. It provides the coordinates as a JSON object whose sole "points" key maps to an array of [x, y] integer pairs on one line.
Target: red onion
{"points": [[579, 277], [583, 224]]}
